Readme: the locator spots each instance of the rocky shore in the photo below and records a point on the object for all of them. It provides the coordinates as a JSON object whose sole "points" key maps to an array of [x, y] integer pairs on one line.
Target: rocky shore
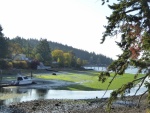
{"points": [[76, 106]]}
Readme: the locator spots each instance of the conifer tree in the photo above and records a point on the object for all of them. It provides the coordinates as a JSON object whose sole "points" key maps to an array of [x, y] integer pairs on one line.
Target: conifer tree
{"points": [[43, 49], [3, 45], [130, 19]]}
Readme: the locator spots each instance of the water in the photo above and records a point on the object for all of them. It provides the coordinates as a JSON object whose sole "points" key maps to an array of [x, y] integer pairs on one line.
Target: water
{"points": [[36, 94], [97, 68], [130, 70]]}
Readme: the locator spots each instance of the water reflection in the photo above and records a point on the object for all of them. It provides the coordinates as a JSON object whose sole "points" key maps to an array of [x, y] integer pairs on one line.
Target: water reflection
{"points": [[36, 94], [19, 95]]}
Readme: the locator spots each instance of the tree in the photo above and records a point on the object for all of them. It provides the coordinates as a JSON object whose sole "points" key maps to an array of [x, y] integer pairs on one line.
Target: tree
{"points": [[130, 19], [73, 59], [57, 56], [28, 49], [3, 45], [67, 59], [38, 57], [33, 65], [15, 48], [43, 50], [79, 62]]}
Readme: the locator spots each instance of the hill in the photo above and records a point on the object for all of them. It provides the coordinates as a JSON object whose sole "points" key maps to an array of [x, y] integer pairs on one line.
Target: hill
{"points": [[91, 57]]}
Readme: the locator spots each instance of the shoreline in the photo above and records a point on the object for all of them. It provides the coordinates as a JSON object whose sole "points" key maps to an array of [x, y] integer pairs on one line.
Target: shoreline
{"points": [[77, 106]]}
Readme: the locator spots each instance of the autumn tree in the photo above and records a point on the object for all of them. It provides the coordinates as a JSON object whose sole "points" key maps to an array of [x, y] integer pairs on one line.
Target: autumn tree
{"points": [[73, 59], [131, 20], [57, 56], [67, 59], [79, 62]]}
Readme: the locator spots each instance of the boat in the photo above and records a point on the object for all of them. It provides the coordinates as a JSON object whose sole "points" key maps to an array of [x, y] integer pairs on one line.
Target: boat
{"points": [[22, 80]]}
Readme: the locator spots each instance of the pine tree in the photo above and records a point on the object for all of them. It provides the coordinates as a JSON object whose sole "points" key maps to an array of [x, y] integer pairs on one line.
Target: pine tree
{"points": [[3, 45], [130, 19], [43, 49]]}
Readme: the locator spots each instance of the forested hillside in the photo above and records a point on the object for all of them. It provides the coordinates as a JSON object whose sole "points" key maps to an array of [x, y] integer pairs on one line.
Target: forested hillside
{"points": [[92, 58], [29, 45]]}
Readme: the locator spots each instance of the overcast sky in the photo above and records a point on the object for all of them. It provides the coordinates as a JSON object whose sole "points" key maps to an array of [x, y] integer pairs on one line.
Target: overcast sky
{"points": [[76, 23]]}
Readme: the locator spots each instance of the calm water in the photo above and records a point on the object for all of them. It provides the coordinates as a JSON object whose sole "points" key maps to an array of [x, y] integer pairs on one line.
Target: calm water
{"points": [[35, 94], [128, 70]]}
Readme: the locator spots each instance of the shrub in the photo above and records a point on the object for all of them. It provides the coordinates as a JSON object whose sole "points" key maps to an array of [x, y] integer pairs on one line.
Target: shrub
{"points": [[23, 65], [20, 64]]}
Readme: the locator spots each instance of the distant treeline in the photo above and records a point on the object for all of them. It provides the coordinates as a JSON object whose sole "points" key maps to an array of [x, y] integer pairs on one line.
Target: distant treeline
{"points": [[48, 52], [90, 58]]}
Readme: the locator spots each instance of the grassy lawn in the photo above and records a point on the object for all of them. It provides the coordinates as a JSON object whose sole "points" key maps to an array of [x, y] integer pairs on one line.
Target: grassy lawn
{"points": [[87, 80]]}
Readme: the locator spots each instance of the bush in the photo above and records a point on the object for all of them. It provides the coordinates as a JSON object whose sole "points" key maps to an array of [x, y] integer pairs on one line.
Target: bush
{"points": [[20, 64], [23, 65]]}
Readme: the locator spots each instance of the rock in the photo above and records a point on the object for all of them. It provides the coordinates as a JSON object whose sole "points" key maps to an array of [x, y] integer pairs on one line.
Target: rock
{"points": [[57, 104], [34, 108], [53, 73], [74, 106], [36, 104]]}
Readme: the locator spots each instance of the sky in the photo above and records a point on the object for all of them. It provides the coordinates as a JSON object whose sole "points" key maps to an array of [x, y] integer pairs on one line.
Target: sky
{"points": [[76, 23]]}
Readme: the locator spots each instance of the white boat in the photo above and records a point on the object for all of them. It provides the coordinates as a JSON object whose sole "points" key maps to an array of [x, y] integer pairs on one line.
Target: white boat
{"points": [[22, 80]]}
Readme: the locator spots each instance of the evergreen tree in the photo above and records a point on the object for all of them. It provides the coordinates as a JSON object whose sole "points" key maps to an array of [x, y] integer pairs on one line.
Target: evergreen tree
{"points": [[43, 49], [131, 19], [3, 45]]}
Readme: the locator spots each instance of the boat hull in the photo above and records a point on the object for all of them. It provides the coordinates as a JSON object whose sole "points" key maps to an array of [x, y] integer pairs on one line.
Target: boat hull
{"points": [[22, 80]]}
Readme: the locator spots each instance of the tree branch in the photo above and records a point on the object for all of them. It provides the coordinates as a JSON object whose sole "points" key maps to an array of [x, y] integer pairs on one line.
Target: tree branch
{"points": [[137, 8], [110, 84], [143, 79]]}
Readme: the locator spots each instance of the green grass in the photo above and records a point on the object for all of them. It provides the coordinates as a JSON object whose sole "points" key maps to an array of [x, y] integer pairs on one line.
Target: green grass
{"points": [[88, 80]]}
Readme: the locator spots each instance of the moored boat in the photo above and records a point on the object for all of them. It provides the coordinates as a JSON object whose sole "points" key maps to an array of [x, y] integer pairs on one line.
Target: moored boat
{"points": [[22, 80]]}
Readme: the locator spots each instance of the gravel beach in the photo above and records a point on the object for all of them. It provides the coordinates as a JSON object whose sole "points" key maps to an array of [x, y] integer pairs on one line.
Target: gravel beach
{"points": [[76, 106]]}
